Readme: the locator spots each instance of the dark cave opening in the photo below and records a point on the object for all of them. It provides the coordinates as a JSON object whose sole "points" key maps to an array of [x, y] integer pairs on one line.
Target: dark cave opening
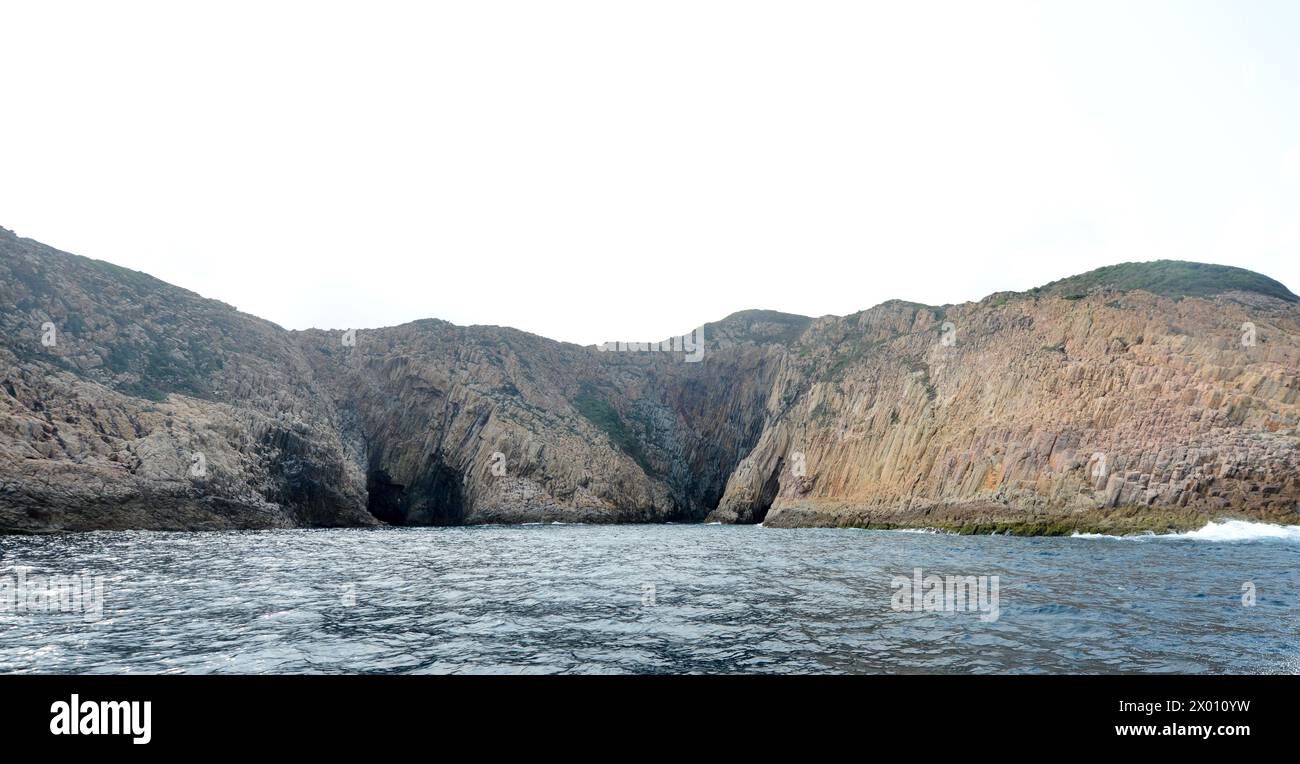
{"points": [[385, 499], [768, 495], [434, 498]]}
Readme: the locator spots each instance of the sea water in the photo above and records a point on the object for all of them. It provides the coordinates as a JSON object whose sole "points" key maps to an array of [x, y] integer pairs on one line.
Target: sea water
{"points": [[649, 599]]}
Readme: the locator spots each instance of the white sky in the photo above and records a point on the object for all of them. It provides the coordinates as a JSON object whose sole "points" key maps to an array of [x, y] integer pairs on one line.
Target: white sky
{"points": [[614, 170]]}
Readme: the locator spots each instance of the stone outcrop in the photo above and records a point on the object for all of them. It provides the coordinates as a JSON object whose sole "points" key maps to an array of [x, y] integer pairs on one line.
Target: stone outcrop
{"points": [[126, 402], [1140, 396], [1034, 414], [487, 424]]}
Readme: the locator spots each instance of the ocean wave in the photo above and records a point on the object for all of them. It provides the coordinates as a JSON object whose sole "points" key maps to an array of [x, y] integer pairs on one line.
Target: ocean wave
{"points": [[1242, 530], [1223, 530]]}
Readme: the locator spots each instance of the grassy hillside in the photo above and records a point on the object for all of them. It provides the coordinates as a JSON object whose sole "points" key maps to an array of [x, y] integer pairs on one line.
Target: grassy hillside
{"points": [[1169, 278]]}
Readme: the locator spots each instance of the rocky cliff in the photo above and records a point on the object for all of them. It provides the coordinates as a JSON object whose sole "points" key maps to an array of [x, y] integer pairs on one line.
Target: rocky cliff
{"points": [[126, 402], [1148, 395], [1034, 413]]}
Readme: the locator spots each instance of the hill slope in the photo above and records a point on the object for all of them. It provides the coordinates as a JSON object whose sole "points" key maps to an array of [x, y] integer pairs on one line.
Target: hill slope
{"points": [[126, 402], [1122, 399], [1169, 278]]}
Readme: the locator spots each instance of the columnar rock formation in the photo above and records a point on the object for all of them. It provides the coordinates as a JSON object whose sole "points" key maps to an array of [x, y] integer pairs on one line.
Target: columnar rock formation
{"points": [[1035, 413], [1139, 396]]}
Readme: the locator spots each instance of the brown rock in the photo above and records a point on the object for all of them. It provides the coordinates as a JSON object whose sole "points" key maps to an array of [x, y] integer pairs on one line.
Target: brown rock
{"points": [[1089, 403]]}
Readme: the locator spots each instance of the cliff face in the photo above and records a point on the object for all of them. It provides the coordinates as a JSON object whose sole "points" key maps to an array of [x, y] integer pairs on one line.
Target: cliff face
{"points": [[1034, 414], [486, 424], [129, 403], [1142, 396]]}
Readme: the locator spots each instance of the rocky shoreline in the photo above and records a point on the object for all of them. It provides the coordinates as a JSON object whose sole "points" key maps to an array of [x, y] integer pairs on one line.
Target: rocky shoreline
{"points": [[1123, 521], [1144, 397], [1132, 521]]}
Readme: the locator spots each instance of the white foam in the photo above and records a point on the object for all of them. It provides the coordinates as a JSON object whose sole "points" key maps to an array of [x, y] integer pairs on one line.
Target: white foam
{"points": [[1241, 530], [1225, 530]]}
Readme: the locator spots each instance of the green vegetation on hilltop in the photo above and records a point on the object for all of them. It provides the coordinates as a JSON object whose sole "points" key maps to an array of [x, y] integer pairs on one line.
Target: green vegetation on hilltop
{"points": [[1168, 278]]}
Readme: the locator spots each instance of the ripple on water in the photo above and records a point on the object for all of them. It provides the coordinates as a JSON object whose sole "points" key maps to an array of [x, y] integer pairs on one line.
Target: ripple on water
{"points": [[653, 599]]}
